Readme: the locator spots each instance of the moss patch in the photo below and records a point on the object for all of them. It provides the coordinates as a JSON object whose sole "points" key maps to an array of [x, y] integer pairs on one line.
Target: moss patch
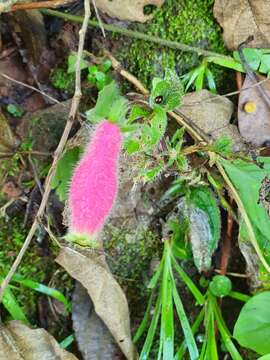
{"points": [[186, 21]]}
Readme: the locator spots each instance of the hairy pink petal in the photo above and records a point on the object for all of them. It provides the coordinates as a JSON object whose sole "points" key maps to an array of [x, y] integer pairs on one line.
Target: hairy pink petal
{"points": [[94, 183]]}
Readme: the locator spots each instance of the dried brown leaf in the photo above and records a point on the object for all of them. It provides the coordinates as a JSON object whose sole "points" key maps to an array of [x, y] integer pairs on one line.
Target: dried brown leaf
{"points": [[211, 114], [93, 337], [7, 139], [19, 342], [243, 18], [108, 298], [254, 126], [132, 10]]}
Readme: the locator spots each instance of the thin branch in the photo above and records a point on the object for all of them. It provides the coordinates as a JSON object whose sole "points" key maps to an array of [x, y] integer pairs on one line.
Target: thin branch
{"points": [[98, 17], [137, 35], [40, 5], [58, 152], [29, 87]]}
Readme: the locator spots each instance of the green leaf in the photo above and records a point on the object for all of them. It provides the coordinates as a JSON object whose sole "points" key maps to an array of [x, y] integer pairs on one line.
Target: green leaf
{"points": [[144, 355], [10, 303], [252, 328], [132, 146], [200, 78], [72, 59], [220, 286], [64, 170], [189, 338], [141, 329], [210, 80], [166, 93], [252, 56], [15, 110], [265, 64], [223, 146], [106, 65], [137, 112], [92, 69], [67, 341], [205, 225], [226, 62], [265, 357], [43, 289], [247, 178], [109, 102]]}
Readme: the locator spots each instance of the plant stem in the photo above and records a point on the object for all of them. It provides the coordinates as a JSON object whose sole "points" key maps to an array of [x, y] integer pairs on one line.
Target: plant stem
{"points": [[239, 296], [137, 35]]}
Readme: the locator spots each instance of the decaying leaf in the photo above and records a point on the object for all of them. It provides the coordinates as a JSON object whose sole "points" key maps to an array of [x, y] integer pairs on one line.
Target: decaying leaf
{"points": [[132, 10], [243, 18], [108, 298], [254, 113], [7, 140], [211, 114], [93, 337], [18, 341]]}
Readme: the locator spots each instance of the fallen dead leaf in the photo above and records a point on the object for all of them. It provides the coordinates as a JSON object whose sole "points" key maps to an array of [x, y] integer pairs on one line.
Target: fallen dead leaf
{"points": [[254, 124], [243, 18], [18, 341], [8, 141], [10, 190], [93, 337], [211, 114], [132, 10], [108, 298]]}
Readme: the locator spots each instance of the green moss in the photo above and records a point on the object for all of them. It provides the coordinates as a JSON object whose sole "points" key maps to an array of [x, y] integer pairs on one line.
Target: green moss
{"points": [[130, 254], [186, 21], [62, 80], [12, 236]]}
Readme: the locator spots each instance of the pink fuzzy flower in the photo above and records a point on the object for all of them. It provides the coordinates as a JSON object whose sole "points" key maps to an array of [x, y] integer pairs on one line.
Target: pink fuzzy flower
{"points": [[93, 187]]}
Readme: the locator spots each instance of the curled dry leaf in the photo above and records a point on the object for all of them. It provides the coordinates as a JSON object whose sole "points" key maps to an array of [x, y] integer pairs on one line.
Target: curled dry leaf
{"points": [[18, 341], [211, 114], [108, 298], [132, 10], [254, 113], [243, 18]]}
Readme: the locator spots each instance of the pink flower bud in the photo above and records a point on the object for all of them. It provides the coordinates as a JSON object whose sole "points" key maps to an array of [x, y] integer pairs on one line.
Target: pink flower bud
{"points": [[93, 187]]}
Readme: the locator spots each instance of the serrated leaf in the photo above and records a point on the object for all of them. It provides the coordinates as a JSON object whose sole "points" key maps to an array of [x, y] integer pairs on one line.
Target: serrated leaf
{"points": [[137, 112], [132, 146], [64, 170], [223, 146]]}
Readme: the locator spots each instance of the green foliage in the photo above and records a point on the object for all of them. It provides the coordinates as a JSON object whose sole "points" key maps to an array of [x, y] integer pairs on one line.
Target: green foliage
{"points": [[252, 328], [220, 286], [166, 93], [12, 306], [98, 74], [63, 80], [168, 298], [72, 60], [63, 173], [202, 198], [247, 178], [110, 105], [258, 59], [15, 110]]}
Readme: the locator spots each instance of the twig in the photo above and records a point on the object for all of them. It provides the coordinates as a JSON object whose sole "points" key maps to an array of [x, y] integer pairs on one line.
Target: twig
{"points": [[137, 35], [244, 276], [40, 5], [29, 87], [58, 152], [98, 17]]}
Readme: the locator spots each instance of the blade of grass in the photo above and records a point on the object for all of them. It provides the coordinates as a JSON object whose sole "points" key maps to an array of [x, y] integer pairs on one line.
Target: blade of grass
{"points": [[194, 328], [145, 319], [239, 296], [67, 341], [43, 289], [13, 307], [211, 345], [224, 332], [189, 338], [144, 355], [167, 322], [189, 283]]}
